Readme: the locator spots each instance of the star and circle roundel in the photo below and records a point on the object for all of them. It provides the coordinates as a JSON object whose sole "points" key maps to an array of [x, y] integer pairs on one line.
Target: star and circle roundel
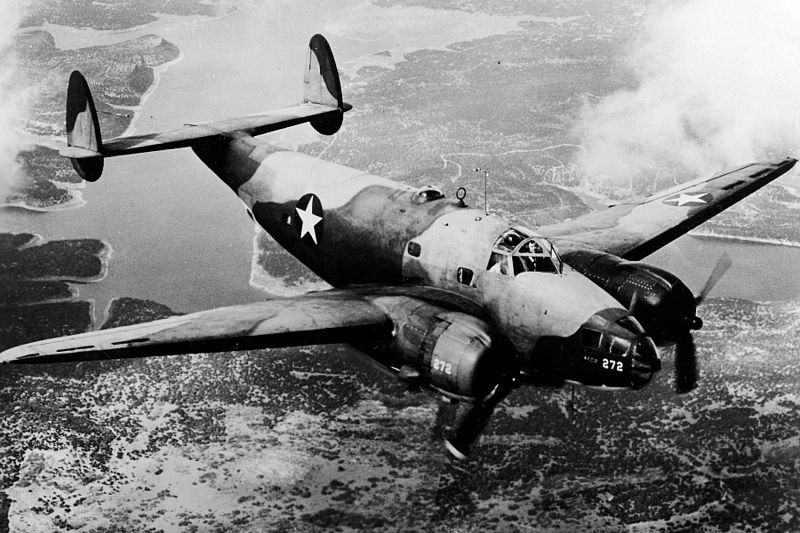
{"points": [[689, 199], [308, 219]]}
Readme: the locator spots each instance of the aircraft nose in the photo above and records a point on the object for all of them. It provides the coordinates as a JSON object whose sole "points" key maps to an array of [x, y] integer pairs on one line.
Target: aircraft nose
{"points": [[611, 349], [644, 361]]}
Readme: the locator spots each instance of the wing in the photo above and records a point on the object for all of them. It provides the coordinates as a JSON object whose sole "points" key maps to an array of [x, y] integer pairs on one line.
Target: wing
{"points": [[309, 319], [637, 228]]}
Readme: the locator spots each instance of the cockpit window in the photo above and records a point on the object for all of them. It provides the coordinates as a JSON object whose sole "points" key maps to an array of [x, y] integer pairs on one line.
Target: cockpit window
{"points": [[509, 240], [530, 263], [427, 194], [527, 254], [500, 262]]}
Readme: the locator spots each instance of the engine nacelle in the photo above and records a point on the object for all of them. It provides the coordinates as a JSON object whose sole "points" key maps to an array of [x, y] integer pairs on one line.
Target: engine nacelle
{"points": [[660, 301], [454, 352]]}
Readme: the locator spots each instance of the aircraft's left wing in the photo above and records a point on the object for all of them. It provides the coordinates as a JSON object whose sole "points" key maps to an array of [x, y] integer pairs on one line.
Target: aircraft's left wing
{"points": [[309, 319], [637, 228]]}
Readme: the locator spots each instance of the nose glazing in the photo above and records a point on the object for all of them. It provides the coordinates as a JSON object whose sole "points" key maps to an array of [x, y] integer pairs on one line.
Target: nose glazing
{"points": [[644, 358], [644, 361]]}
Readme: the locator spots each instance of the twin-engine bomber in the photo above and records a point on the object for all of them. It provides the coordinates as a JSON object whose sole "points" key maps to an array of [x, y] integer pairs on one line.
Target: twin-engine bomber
{"points": [[446, 297]]}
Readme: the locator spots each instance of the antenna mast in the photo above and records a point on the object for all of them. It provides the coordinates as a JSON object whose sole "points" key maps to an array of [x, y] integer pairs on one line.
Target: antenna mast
{"points": [[485, 188]]}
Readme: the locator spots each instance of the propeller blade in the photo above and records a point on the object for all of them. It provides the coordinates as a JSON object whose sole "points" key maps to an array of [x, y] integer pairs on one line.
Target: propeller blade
{"points": [[685, 364], [471, 420], [723, 264]]}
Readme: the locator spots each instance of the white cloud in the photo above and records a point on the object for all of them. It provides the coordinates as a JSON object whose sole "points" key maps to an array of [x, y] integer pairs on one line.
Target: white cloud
{"points": [[12, 95], [718, 85]]}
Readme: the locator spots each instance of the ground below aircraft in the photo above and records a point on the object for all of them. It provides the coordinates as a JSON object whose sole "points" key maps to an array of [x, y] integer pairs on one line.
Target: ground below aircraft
{"points": [[444, 296]]}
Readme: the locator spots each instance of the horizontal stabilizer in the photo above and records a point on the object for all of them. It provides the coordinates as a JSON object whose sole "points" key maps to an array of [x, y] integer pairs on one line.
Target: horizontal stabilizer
{"points": [[192, 134], [322, 106]]}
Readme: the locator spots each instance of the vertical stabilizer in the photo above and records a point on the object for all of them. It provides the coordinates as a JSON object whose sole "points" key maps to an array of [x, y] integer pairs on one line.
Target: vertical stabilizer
{"points": [[321, 85], [83, 129]]}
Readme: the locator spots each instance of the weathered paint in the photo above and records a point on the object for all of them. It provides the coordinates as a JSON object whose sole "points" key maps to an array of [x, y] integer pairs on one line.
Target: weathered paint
{"points": [[367, 223], [638, 227]]}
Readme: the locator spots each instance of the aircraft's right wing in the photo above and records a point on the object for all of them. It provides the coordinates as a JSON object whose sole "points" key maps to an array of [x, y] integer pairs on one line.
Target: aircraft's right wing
{"points": [[322, 318]]}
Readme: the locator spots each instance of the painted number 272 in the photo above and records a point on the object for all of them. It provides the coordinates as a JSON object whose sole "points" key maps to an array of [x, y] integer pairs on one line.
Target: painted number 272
{"points": [[442, 366], [608, 364]]}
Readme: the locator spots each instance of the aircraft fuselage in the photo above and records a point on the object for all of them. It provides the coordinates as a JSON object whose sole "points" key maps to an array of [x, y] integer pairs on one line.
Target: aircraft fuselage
{"points": [[353, 228]]}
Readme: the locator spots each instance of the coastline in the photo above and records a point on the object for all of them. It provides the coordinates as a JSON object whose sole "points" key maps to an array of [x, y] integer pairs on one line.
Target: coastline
{"points": [[157, 71], [74, 202], [104, 255], [275, 286], [756, 241]]}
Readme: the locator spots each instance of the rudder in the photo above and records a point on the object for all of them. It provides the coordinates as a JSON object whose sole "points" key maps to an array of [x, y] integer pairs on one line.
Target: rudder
{"points": [[84, 142], [321, 85]]}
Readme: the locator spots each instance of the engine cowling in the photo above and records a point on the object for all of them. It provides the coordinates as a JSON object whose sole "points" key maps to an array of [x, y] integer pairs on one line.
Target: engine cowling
{"points": [[454, 352], [660, 301]]}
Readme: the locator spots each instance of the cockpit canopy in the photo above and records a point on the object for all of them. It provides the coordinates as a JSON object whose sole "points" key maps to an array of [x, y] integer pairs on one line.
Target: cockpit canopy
{"points": [[515, 252]]}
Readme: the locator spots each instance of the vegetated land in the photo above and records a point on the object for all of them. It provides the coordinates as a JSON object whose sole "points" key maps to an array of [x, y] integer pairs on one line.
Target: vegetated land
{"points": [[119, 74], [36, 300], [295, 439], [509, 104], [111, 14], [298, 439], [505, 103]]}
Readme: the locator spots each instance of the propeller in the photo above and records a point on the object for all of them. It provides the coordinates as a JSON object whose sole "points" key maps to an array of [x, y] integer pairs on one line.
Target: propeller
{"points": [[685, 348], [685, 364], [471, 420], [723, 264]]}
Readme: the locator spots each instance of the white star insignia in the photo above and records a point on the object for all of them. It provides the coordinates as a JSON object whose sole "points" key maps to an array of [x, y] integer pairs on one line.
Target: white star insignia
{"points": [[688, 199], [309, 220]]}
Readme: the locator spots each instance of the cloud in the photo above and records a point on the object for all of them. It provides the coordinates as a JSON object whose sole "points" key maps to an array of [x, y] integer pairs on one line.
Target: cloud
{"points": [[12, 96], [718, 85]]}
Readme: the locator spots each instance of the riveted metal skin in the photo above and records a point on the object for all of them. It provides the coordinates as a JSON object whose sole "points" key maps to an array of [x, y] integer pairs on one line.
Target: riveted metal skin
{"points": [[660, 301], [457, 353], [442, 295], [369, 223]]}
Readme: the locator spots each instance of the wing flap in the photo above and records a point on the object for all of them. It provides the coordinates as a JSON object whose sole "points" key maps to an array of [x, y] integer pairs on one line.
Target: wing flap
{"points": [[304, 320], [637, 228]]}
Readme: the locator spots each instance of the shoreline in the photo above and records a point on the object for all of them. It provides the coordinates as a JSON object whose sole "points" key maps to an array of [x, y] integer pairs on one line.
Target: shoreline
{"points": [[157, 72], [103, 255], [274, 287], [755, 241], [75, 202], [76, 199]]}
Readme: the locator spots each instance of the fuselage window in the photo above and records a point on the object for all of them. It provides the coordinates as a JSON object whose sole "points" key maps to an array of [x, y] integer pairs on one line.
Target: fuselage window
{"points": [[464, 275]]}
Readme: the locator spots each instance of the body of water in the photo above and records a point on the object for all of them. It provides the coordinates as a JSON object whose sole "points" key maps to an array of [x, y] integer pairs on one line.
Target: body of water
{"points": [[179, 236]]}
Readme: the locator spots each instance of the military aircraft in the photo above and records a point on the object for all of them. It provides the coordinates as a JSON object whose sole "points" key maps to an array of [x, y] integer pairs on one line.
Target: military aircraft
{"points": [[446, 297]]}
